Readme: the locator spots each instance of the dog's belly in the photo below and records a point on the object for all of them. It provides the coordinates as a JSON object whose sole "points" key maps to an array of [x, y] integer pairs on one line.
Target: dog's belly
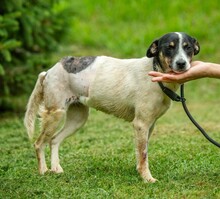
{"points": [[119, 110], [125, 110]]}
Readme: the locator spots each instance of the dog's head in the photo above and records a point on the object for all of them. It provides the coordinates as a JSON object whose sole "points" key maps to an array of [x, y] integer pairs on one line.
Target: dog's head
{"points": [[174, 51]]}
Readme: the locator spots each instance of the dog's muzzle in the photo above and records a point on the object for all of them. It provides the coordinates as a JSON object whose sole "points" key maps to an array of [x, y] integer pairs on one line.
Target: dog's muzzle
{"points": [[180, 66]]}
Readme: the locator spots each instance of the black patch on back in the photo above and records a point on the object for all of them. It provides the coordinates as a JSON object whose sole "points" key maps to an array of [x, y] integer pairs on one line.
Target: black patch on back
{"points": [[76, 64]]}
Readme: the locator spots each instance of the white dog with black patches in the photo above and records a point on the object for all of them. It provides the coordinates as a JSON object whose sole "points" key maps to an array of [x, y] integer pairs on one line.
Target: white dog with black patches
{"points": [[116, 86]]}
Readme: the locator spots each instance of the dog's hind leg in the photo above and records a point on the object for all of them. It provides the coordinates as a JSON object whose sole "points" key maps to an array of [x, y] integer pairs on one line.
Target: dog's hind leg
{"points": [[142, 134], [50, 122], [75, 118]]}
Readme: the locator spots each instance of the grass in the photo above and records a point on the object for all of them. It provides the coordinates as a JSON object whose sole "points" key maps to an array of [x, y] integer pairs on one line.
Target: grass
{"points": [[127, 28], [99, 161]]}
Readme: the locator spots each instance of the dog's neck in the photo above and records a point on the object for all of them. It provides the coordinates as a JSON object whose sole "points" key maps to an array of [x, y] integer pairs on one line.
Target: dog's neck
{"points": [[157, 66], [172, 87]]}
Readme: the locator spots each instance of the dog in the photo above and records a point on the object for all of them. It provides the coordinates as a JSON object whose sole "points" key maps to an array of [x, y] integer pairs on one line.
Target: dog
{"points": [[120, 87]]}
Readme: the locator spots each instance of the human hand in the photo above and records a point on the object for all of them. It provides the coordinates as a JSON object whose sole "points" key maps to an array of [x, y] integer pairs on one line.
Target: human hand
{"points": [[198, 70]]}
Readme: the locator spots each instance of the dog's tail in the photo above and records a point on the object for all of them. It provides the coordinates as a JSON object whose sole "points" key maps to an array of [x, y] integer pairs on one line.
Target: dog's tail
{"points": [[34, 102]]}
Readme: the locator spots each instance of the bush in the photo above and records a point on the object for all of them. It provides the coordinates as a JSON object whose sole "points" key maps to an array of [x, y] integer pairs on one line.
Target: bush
{"points": [[29, 31]]}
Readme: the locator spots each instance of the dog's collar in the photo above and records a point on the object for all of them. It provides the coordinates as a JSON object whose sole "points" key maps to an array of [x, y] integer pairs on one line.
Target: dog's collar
{"points": [[171, 94]]}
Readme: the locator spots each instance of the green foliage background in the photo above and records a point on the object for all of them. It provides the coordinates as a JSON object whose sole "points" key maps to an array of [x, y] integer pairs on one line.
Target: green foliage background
{"points": [[29, 32]]}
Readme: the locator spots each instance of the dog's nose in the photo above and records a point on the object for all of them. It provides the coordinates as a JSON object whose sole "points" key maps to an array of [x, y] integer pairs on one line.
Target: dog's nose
{"points": [[181, 63]]}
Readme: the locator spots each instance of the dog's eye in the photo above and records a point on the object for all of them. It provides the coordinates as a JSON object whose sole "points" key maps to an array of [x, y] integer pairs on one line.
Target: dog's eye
{"points": [[170, 47], [188, 48]]}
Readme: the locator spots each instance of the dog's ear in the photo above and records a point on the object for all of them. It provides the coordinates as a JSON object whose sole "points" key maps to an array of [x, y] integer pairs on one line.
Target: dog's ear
{"points": [[196, 46], [153, 49]]}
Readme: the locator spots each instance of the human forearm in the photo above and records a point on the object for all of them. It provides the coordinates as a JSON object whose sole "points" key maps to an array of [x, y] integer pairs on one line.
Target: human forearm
{"points": [[213, 70]]}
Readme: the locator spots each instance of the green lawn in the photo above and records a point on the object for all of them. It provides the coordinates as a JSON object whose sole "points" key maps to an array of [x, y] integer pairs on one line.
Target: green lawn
{"points": [[99, 161]]}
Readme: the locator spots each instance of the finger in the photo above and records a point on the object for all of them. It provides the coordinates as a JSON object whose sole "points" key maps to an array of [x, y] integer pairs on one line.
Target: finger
{"points": [[156, 79], [155, 74], [161, 79]]}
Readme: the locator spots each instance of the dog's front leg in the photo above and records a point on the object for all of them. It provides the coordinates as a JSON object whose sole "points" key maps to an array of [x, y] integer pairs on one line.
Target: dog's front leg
{"points": [[142, 132]]}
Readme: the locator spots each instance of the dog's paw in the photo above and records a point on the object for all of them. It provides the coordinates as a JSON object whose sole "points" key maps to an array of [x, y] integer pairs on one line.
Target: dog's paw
{"points": [[150, 180], [56, 169], [43, 170]]}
